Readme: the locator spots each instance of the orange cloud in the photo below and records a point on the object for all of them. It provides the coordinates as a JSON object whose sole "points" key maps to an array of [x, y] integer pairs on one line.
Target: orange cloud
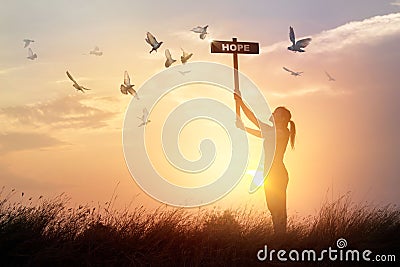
{"points": [[65, 112]]}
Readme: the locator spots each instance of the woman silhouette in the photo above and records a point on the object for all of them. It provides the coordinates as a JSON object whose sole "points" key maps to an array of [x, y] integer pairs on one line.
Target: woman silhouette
{"points": [[277, 179]]}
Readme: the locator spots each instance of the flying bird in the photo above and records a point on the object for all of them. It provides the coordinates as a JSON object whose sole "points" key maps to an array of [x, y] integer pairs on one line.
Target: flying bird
{"points": [[128, 87], [294, 73], [169, 60], [27, 42], [330, 78], [185, 57], [151, 40], [144, 118], [96, 51], [31, 55], [297, 46], [76, 85], [202, 30]]}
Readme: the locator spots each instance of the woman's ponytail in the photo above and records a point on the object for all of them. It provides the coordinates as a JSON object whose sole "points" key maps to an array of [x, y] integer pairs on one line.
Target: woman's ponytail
{"points": [[287, 117], [292, 131]]}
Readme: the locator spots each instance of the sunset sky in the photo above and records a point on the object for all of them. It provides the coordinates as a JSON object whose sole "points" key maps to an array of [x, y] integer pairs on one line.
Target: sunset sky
{"points": [[54, 139]]}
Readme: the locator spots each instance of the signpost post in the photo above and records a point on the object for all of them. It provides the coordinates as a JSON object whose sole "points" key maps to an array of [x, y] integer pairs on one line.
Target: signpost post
{"points": [[234, 47]]}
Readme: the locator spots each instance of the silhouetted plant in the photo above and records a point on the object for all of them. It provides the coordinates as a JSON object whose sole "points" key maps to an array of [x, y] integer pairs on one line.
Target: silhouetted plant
{"points": [[52, 233]]}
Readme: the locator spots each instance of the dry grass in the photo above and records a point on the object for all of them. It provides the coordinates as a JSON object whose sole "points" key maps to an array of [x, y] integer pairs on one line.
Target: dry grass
{"points": [[45, 232]]}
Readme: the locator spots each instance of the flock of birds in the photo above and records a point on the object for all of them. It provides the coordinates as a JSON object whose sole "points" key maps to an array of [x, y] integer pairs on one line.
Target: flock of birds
{"points": [[152, 41], [126, 87], [297, 46]]}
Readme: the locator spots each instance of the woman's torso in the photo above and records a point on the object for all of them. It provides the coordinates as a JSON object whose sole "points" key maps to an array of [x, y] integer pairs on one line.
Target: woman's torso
{"points": [[281, 137]]}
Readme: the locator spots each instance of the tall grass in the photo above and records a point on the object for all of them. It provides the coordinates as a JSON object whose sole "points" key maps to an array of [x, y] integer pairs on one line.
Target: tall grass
{"points": [[46, 232]]}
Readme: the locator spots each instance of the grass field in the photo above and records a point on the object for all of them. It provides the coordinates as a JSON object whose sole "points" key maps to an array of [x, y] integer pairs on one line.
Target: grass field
{"points": [[47, 232]]}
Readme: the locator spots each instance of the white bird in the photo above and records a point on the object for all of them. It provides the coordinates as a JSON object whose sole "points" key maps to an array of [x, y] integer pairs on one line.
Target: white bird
{"points": [[297, 46], [76, 85], [169, 60], [31, 55], [151, 40], [96, 51], [185, 57], [144, 118], [330, 78], [201, 30], [27, 42], [128, 87], [294, 73]]}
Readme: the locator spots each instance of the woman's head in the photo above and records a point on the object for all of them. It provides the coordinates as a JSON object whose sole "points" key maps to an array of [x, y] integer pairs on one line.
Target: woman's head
{"points": [[282, 117]]}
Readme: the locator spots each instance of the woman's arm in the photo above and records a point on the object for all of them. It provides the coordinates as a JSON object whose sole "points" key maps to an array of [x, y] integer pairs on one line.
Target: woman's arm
{"points": [[257, 133], [249, 114], [254, 132]]}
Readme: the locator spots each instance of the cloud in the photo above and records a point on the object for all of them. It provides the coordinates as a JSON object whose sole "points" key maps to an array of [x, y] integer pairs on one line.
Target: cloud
{"points": [[65, 112], [11, 69], [397, 3], [308, 91], [366, 32], [17, 141], [300, 92], [186, 35]]}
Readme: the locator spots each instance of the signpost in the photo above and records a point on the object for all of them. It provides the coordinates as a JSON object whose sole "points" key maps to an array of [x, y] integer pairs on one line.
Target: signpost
{"points": [[234, 47]]}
